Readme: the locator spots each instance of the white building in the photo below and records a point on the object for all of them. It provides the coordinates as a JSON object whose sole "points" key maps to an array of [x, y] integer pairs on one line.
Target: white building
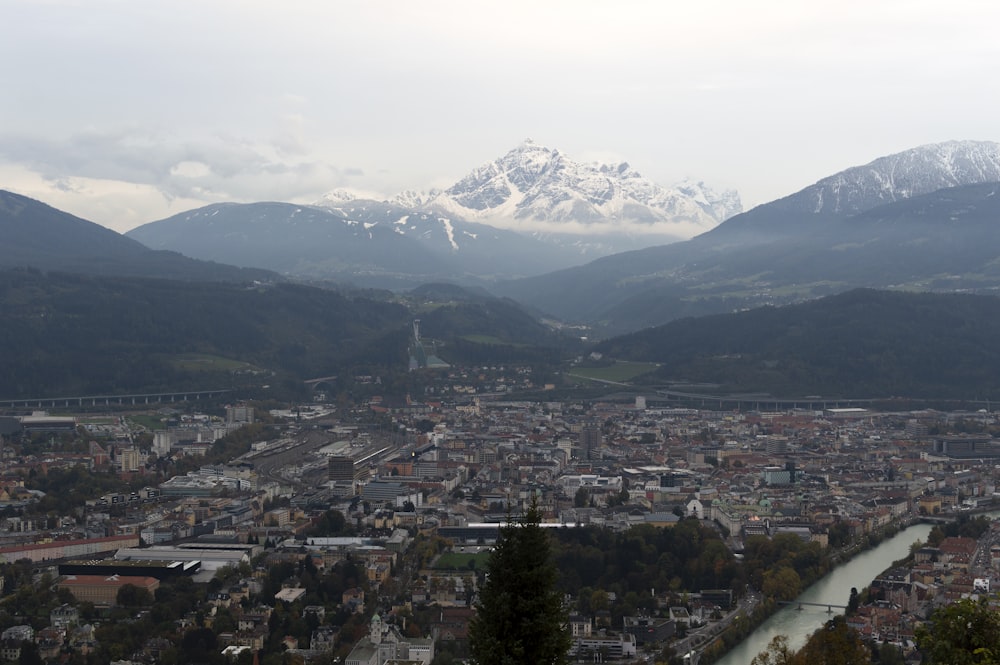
{"points": [[384, 644]]}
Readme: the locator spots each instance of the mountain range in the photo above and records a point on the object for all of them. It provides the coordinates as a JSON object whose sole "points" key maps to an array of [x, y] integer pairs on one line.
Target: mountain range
{"points": [[924, 219], [529, 212], [374, 245], [900, 176], [35, 235], [537, 189], [76, 334], [900, 221], [859, 344]]}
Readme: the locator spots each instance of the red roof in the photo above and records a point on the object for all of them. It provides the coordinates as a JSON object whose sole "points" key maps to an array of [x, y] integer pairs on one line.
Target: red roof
{"points": [[112, 580]]}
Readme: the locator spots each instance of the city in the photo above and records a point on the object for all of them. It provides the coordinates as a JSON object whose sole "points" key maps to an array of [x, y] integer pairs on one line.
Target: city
{"points": [[409, 496], [451, 333]]}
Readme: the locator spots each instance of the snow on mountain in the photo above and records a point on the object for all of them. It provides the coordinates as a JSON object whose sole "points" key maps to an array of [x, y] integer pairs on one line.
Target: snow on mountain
{"points": [[598, 208], [476, 248], [902, 175], [300, 240], [337, 197], [413, 200], [723, 205], [535, 188], [919, 219]]}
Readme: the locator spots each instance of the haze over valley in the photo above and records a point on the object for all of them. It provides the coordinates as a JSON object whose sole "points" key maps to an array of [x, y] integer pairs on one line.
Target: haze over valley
{"points": [[451, 333], [919, 221]]}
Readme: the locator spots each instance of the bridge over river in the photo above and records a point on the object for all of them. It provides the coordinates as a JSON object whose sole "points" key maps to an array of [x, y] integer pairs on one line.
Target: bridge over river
{"points": [[801, 616], [800, 603]]}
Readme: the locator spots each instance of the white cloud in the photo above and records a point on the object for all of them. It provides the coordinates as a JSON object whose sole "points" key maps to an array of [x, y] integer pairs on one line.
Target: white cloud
{"points": [[192, 101], [115, 204], [190, 169], [84, 174]]}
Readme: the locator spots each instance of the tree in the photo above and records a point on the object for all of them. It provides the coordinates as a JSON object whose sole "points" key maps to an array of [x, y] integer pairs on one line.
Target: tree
{"points": [[782, 583], [854, 601], [520, 616], [130, 595], [331, 523], [29, 654], [834, 644], [963, 633], [890, 654], [198, 644], [776, 653], [599, 600], [839, 534]]}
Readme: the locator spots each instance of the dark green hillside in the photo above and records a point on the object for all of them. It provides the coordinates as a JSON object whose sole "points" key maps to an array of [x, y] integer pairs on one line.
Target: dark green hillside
{"points": [[481, 329], [83, 335], [446, 292], [68, 335], [35, 235], [777, 253], [862, 343]]}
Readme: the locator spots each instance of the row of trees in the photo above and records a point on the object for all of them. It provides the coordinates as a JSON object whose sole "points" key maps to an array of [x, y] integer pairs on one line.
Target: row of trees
{"points": [[521, 617], [962, 633], [834, 644], [783, 565], [520, 608], [688, 556]]}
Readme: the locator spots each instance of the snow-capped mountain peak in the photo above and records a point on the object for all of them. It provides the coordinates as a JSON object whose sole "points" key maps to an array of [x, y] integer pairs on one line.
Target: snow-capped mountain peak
{"points": [[902, 175], [413, 199], [536, 188], [337, 197], [595, 208]]}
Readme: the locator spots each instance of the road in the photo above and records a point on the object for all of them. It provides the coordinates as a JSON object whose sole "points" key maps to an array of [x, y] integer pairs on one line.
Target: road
{"points": [[700, 636]]}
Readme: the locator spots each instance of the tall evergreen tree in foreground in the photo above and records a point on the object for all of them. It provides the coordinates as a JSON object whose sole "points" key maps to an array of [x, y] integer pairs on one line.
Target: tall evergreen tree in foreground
{"points": [[520, 617]]}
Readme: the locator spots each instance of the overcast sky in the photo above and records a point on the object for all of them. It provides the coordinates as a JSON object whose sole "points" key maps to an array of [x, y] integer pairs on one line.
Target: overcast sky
{"points": [[128, 111]]}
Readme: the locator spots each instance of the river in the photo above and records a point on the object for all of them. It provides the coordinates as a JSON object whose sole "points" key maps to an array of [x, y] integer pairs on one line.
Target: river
{"points": [[797, 625]]}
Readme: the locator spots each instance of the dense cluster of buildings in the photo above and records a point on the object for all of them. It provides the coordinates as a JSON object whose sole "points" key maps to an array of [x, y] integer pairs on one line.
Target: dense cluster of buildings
{"points": [[901, 598], [455, 468]]}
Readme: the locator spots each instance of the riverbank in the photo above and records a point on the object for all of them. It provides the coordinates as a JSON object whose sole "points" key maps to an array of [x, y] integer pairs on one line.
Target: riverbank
{"points": [[751, 636]]}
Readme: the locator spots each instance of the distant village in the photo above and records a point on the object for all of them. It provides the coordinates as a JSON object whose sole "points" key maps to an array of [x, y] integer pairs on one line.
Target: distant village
{"points": [[421, 479]]}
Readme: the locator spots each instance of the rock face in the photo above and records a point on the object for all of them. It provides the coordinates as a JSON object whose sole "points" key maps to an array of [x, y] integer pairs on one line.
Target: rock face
{"points": [[573, 211], [923, 219], [534, 211], [535, 188], [921, 170]]}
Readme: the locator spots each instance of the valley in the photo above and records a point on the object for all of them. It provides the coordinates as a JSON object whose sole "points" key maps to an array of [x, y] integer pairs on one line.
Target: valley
{"points": [[331, 408]]}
